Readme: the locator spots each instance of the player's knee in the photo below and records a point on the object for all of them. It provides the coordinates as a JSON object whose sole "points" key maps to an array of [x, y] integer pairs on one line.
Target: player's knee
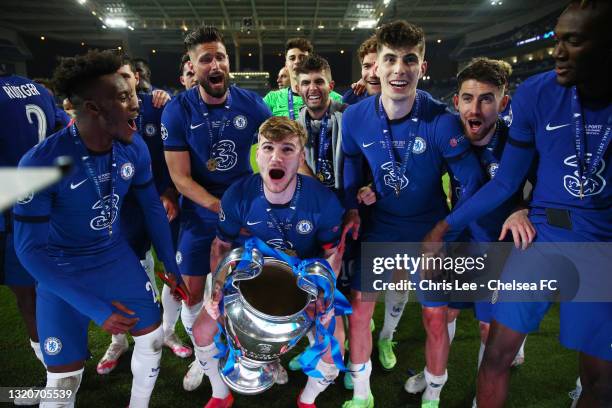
{"points": [[434, 320], [150, 342], [204, 330], [69, 381]]}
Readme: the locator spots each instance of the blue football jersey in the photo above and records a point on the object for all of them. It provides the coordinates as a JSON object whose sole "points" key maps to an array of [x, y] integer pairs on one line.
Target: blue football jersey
{"points": [[185, 128], [79, 221], [350, 98], [28, 114], [488, 227], [149, 127], [543, 123], [439, 143], [309, 223]]}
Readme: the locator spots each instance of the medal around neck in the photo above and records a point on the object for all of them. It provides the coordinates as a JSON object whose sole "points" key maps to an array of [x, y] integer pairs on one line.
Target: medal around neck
{"points": [[264, 311], [211, 164]]}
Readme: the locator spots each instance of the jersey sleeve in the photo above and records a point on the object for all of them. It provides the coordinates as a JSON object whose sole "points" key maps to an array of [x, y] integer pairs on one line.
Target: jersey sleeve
{"points": [[157, 225], [173, 130], [270, 100], [32, 215], [522, 130], [353, 163], [329, 227], [62, 119], [230, 221], [143, 173], [335, 96]]}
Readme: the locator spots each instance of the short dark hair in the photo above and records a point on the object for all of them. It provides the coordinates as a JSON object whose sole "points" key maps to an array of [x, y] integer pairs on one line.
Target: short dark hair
{"points": [[400, 33], [126, 60], [75, 76], [313, 63], [367, 47], [184, 60], [202, 34], [494, 72], [301, 43]]}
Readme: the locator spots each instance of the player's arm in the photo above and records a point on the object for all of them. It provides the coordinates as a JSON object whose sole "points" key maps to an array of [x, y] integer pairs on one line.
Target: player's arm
{"points": [[329, 234], [179, 166], [155, 218], [352, 176], [517, 157], [178, 159]]}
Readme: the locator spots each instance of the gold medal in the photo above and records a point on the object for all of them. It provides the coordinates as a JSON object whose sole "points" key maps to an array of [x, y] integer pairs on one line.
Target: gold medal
{"points": [[211, 164], [321, 177], [290, 252]]}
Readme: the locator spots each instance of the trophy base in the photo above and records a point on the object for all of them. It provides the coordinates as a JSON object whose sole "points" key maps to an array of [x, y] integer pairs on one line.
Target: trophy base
{"points": [[249, 377]]}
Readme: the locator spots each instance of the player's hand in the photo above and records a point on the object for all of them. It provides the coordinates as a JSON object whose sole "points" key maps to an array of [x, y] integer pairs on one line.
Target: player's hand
{"points": [[170, 203], [522, 230], [160, 98], [366, 195], [214, 204], [212, 306], [178, 290], [432, 246], [352, 221], [118, 323], [359, 87]]}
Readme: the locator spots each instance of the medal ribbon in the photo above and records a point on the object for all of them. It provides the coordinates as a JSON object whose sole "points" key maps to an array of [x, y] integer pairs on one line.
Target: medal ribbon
{"points": [[280, 227], [388, 137], [290, 103], [324, 141], [586, 168], [205, 114], [91, 175]]}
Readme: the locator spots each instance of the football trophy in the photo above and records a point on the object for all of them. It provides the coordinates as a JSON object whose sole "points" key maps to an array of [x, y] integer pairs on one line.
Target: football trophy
{"points": [[267, 308]]}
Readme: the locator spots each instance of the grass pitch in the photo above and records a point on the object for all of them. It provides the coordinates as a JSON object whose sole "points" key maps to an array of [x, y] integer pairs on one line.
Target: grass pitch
{"points": [[543, 381]]}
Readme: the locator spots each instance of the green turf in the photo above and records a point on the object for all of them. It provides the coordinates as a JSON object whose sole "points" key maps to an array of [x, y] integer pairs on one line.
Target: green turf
{"points": [[542, 382]]}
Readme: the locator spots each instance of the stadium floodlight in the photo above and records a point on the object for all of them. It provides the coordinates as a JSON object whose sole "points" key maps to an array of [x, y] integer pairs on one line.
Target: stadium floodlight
{"points": [[81, 1], [386, 2], [116, 22], [371, 23]]}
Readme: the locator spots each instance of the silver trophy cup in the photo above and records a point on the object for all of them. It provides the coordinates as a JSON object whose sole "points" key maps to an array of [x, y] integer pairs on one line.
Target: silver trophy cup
{"points": [[266, 312]]}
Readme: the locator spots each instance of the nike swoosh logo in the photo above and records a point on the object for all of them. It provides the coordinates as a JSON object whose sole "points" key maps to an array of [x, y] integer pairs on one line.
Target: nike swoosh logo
{"points": [[73, 186], [549, 128], [415, 119], [254, 223], [196, 126], [367, 144]]}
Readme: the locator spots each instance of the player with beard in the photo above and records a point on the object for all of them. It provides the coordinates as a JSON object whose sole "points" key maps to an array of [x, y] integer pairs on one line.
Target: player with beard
{"points": [[287, 101], [144, 74], [554, 113], [208, 132], [134, 228], [69, 235], [480, 99], [289, 212], [369, 83], [282, 80], [403, 125], [186, 75], [29, 115]]}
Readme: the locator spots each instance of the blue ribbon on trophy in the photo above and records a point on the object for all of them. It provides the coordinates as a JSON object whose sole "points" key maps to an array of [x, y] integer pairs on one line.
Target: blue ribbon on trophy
{"points": [[331, 298]]}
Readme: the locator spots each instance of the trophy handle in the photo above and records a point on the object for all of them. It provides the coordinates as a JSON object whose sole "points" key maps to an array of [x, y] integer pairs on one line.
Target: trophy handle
{"points": [[233, 265], [310, 286]]}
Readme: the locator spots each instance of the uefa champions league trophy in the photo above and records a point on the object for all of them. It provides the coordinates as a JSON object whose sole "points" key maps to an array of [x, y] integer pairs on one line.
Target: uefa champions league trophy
{"points": [[266, 310]]}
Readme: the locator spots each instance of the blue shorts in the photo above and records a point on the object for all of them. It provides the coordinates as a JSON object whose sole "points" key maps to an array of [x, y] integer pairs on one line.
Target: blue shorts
{"points": [[195, 239], [584, 326], [12, 273], [382, 229], [120, 277]]}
